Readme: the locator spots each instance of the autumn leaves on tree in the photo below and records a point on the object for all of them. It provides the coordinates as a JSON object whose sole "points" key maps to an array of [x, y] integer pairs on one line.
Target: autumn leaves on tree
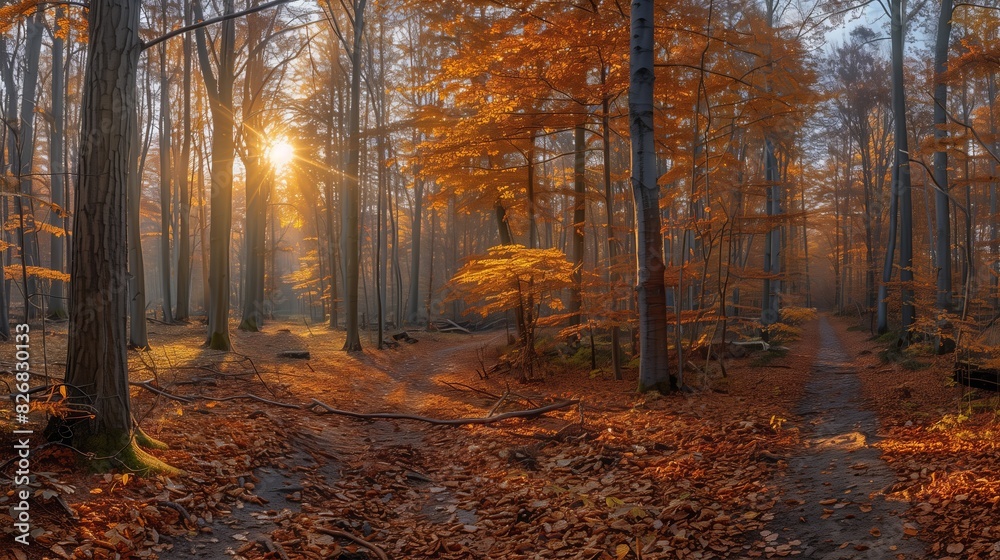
{"points": [[658, 178]]}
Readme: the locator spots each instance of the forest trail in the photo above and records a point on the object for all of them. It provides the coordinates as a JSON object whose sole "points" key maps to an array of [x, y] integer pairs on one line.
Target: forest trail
{"points": [[833, 503]]}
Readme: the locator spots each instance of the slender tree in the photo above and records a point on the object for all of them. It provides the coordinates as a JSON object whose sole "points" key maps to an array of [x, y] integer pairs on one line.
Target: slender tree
{"points": [[941, 203], [220, 94], [654, 371]]}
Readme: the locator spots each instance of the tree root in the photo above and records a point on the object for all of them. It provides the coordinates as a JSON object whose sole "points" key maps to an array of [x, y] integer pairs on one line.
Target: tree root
{"points": [[530, 413], [357, 540]]}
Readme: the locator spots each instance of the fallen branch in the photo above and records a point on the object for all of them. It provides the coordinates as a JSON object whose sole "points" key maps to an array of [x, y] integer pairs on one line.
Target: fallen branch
{"points": [[273, 547], [188, 399], [462, 386], [251, 397], [357, 540], [148, 385], [530, 413], [183, 513]]}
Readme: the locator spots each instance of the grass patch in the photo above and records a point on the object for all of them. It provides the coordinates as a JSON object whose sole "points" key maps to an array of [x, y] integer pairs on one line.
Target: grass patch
{"points": [[765, 358]]}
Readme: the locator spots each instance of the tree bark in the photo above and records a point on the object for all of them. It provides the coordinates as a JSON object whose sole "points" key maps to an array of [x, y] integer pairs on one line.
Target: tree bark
{"points": [[183, 238], [352, 200], [220, 93], [902, 182], [942, 213], [579, 222], [57, 308], [27, 237], [96, 363], [165, 195], [654, 371], [609, 201]]}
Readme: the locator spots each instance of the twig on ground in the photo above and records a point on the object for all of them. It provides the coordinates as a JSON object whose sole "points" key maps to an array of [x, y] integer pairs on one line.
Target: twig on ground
{"points": [[357, 540], [185, 516], [273, 547], [188, 399], [148, 385], [461, 386], [500, 402], [530, 413]]}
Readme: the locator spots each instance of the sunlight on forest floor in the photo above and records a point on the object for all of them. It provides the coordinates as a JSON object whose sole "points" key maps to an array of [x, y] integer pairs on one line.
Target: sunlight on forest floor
{"points": [[672, 476]]}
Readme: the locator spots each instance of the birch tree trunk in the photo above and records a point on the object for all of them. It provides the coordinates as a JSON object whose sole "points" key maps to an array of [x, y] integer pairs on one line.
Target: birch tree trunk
{"points": [[654, 372]]}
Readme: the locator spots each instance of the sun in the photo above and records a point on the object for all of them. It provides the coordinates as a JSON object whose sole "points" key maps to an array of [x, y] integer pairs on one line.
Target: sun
{"points": [[280, 153]]}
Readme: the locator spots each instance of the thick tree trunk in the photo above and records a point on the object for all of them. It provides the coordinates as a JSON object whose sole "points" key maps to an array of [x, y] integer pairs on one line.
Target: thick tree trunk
{"points": [[96, 364], [654, 371]]}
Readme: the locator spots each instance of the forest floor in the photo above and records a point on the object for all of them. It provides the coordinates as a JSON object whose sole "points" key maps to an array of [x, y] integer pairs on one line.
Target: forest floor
{"points": [[821, 452]]}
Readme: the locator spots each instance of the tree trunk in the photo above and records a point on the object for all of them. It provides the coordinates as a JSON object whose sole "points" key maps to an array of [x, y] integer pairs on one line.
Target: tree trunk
{"points": [[10, 141], [27, 237], [258, 174], [579, 222], [609, 201], [413, 303], [96, 364], [165, 195], [654, 371], [220, 93], [900, 213], [137, 337], [942, 214], [57, 308], [352, 200], [183, 238]]}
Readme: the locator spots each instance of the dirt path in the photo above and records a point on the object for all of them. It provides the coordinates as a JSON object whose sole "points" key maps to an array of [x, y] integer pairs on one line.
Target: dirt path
{"points": [[833, 504]]}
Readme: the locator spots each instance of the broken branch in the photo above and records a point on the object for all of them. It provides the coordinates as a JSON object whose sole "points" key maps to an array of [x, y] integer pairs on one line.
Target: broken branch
{"points": [[357, 540], [530, 413]]}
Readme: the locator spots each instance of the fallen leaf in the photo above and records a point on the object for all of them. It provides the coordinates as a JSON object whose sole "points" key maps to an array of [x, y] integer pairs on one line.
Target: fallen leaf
{"points": [[955, 548]]}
